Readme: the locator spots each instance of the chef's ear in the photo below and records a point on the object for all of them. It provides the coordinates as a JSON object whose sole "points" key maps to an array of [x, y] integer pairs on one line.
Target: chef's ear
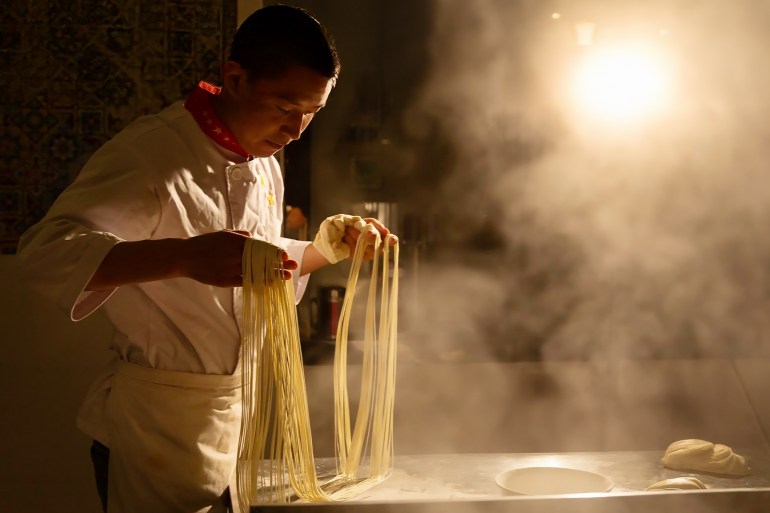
{"points": [[233, 78]]}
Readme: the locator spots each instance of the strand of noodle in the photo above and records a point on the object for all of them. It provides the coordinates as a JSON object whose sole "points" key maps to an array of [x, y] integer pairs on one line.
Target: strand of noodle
{"points": [[392, 353], [382, 453], [375, 370], [363, 419], [260, 262], [383, 374], [341, 400], [345, 483], [380, 373]]}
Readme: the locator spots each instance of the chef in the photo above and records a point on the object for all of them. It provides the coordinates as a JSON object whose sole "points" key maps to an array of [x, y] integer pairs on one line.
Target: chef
{"points": [[152, 231]]}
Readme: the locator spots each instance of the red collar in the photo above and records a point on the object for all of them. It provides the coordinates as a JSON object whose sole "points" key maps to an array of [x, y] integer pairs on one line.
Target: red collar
{"points": [[198, 103]]}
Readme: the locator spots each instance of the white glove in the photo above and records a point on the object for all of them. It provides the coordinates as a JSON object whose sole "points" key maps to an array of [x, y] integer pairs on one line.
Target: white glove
{"points": [[329, 242]]}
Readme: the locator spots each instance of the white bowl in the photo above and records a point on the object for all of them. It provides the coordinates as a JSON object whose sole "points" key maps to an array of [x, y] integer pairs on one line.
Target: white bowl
{"points": [[552, 481]]}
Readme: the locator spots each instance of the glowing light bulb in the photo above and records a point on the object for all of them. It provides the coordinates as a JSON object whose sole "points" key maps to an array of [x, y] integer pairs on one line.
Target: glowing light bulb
{"points": [[623, 83]]}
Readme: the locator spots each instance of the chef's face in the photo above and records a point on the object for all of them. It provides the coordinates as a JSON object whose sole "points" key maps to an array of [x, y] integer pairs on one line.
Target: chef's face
{"points": [[266, 114]]}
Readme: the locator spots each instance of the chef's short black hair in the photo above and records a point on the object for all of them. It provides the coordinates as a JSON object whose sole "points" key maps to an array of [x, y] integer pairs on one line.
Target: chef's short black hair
{"points": [[277, 37]]}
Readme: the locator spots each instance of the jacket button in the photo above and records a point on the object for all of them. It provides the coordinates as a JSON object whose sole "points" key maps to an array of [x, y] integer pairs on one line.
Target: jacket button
{"points": [[236, 174]]}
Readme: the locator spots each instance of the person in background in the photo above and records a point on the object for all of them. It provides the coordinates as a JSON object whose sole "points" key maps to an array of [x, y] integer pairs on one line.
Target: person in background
{"points": [[152, 230]]}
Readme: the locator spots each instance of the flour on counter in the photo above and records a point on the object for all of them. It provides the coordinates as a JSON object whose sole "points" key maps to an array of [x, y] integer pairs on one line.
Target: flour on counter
{"points": [[402, 485]]}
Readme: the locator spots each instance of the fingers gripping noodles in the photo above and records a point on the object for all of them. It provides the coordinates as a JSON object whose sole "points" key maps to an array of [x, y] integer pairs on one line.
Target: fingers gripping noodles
{"points": [[275, 452]]}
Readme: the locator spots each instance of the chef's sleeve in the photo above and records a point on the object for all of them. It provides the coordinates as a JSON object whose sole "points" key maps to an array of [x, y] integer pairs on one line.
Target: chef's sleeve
{"points": [[296, 250], [110, 201]]}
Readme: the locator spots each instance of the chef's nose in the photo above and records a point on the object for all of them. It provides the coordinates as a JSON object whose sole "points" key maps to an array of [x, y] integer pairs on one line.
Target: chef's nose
{"points": [[294, 125]]}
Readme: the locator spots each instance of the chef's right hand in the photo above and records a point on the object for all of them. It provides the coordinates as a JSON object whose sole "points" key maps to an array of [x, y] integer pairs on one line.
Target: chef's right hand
{"points": [[217, 258], [213, 258]]}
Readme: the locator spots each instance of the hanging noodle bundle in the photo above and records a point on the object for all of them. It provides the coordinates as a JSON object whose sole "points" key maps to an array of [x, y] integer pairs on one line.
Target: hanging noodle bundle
{"points": [[275, 452]]}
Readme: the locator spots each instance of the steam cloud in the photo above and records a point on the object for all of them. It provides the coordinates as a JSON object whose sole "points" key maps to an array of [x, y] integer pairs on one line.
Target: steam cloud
{"points": [[564, 239]]}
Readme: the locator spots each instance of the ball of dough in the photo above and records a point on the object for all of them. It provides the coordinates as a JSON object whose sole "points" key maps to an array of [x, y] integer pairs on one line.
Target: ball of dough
{"points": [[700, 455], [678, 483]]}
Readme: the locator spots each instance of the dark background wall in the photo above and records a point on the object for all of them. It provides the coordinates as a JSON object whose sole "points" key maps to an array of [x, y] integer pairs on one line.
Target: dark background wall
{"points": [[74, 72]]}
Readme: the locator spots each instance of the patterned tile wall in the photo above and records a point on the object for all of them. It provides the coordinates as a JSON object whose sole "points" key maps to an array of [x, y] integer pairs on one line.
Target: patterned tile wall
{"points": [[74, 72]]}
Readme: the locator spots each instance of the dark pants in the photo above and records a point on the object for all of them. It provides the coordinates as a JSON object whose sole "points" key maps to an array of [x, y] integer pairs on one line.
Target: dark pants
{"points": [[100, 457]]}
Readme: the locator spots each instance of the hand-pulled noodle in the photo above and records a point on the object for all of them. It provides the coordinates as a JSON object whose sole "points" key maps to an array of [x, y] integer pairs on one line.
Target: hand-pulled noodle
{"points": [[275, 452]]}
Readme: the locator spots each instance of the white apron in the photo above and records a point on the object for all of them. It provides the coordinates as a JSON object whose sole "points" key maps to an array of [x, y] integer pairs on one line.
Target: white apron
{"points": [[173, 440]]}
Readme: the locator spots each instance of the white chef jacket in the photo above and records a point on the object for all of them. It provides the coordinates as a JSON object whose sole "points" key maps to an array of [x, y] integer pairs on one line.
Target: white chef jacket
{"points": [[160, 177]]}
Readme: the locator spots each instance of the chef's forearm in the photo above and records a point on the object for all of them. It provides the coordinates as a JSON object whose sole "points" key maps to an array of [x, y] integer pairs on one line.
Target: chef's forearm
{"points": [[312, 260], [137, 262]]}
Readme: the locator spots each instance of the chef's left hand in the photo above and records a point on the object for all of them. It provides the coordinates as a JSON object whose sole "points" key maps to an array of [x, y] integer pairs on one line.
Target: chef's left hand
{"points": [[352, 234]]}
